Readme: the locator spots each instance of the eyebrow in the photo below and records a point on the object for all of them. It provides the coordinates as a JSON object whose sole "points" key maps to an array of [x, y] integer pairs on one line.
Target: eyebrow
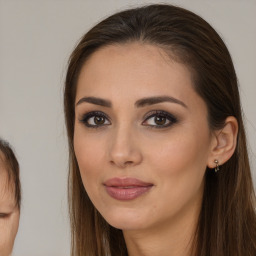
{"points": [[96, 101], [139, 103], [159, 99]]}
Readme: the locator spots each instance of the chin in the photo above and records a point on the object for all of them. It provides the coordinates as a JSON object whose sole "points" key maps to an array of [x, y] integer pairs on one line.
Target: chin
{"points": [[126, 225], [126, 220]]}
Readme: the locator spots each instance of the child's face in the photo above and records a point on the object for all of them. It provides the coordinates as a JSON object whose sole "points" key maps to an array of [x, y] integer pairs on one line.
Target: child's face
{"points": [[9, 213]]}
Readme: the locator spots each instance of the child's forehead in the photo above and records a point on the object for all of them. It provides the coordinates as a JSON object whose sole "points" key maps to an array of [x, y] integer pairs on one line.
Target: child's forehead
{"points": [[7, 191], [5, 175], [3, 164], [8, 186], [6, 181], [2, 158]]}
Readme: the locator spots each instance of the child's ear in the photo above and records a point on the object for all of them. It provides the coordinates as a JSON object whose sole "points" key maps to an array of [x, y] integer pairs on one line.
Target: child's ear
{"points": [[223, 143]]}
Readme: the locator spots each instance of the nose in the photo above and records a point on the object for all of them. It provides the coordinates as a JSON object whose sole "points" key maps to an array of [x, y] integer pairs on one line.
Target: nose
{"points": [[124, 149]]}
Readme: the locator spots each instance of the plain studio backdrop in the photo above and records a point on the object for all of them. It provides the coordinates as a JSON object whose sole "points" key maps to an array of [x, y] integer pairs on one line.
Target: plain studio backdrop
{"points": [[36, 39]]}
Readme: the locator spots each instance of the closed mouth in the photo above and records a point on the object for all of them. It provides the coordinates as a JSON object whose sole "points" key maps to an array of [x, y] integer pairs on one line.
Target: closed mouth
{"points": [[126, 188]]}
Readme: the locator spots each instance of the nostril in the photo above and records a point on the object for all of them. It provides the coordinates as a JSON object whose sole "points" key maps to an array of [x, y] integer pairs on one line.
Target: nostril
{"points": [[122, 164], [128, 162]]}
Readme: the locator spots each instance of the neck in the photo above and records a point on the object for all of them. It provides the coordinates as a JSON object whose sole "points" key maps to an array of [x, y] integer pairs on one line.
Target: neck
{"points": [[174, 238]]}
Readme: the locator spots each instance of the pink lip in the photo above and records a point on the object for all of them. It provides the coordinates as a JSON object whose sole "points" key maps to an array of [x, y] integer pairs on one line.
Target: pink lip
{"points": [[126, 188]]}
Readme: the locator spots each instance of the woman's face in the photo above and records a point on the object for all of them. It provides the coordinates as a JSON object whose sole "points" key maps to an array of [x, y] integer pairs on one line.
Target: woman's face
{"points": [[9, 214], [141, 137]]}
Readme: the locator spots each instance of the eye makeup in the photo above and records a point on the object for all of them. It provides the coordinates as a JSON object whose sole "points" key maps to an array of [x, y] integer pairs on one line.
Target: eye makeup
{"points": [[153, 119], [159, 119], [95, 119]]}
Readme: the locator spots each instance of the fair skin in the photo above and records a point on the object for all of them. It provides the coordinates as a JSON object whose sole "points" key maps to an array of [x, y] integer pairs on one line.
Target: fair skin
{"points": [[165, 142], [9, 213]]}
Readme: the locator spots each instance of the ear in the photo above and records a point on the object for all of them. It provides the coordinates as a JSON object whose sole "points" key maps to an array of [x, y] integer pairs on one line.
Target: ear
{"points": [[223, 143]]}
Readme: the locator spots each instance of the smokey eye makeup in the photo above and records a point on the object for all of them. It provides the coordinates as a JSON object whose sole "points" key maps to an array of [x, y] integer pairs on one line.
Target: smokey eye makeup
{"points": [[95, 119], [153, 119], [159, 119]]}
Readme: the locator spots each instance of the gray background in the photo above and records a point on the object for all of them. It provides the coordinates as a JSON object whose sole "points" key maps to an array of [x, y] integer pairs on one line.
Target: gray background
{"points": [[36, 38]]}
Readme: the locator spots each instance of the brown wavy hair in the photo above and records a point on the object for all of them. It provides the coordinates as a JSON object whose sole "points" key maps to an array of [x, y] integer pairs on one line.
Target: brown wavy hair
{"points": [[227, 221]]}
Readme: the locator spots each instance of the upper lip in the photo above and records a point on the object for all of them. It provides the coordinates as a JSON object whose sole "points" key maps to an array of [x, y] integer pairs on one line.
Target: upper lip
{"points": [[126, 182]]}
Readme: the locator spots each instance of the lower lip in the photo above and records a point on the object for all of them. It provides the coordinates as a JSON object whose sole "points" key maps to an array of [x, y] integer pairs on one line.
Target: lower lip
{"points": [[126, 194]]}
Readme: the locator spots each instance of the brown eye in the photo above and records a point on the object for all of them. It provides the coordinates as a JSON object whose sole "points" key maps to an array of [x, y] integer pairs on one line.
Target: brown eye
{"points": [[99, 120], [95, 119], [160, 120]]}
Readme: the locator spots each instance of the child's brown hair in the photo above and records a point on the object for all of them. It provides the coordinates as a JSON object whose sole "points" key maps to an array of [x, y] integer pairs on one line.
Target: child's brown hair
{"points": [[9, 161]]}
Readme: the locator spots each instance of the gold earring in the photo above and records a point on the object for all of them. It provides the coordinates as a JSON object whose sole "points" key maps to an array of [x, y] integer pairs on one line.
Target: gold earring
{"points": [[217, 168]]}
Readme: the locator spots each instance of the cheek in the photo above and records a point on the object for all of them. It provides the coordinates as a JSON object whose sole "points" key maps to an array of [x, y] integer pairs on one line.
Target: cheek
{"points": [[181, 149], [179, 165], [8, 231], [177, 157], [180, 161], [89, 153]]}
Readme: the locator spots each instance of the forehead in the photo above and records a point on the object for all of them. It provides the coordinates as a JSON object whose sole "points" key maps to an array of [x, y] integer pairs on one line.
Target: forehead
{"points": [[132, 68], [7, 189]]}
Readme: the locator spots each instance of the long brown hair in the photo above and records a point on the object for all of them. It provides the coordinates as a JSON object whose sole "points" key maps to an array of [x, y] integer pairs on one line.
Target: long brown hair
{"points": [[227, 221]]}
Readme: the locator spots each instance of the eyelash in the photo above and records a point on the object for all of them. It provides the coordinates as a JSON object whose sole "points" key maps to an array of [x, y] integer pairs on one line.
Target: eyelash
{"points": [[94, 114], [153, 114], [163, 114]]}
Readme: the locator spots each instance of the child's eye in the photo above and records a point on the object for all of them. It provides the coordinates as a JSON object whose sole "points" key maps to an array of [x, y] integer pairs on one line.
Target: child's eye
{"points": [[3, 215], [159, 119], [95, 119]]}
